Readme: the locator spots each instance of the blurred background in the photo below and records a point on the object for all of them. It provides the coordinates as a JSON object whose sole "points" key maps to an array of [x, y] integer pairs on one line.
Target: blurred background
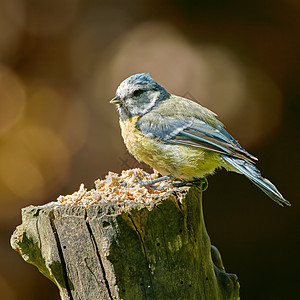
{"points": [[60, 64]]}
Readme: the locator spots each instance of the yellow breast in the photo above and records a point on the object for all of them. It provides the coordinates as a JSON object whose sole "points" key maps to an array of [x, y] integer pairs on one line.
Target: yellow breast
{"points": [[130, 134], [144, 148]]}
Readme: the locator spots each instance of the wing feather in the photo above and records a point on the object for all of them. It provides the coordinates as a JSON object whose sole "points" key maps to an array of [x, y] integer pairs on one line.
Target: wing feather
{"points": [[191, 131]]}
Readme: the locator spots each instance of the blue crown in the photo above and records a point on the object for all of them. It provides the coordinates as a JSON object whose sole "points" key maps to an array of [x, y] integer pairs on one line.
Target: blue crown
{"points": [[141, 78]]}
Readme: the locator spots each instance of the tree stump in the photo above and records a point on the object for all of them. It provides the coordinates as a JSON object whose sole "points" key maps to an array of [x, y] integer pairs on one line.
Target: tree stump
{"points": [[159, 250]]}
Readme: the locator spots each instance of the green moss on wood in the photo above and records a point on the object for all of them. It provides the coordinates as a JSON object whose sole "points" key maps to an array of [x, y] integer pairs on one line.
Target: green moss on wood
{"points": [[169, 255], [31, 252]]}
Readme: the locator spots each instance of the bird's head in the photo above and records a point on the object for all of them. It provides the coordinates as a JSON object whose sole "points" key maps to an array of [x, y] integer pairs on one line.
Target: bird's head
{"points": [[137, 95]]}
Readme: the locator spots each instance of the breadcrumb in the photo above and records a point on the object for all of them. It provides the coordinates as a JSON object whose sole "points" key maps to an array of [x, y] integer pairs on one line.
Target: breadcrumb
{"points": [[116, 188]]}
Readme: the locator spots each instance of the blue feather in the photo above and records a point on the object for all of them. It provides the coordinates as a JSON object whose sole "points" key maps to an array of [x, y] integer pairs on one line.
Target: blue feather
{"points": [[205, 140], [252, 173]]}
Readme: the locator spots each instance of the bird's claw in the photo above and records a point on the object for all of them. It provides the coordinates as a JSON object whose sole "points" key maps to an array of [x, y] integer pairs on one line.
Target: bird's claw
{"points": [[203, 183]]}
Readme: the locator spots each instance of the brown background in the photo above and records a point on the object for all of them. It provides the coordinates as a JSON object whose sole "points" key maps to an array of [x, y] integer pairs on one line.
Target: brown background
{"points": [[60, 63]]}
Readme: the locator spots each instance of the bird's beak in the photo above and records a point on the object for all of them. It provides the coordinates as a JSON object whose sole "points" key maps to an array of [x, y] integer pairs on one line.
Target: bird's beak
{"points": [[116, 100]]}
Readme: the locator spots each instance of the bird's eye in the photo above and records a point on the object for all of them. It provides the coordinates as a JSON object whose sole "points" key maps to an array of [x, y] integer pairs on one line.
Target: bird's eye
{"points": [[137, 93]]}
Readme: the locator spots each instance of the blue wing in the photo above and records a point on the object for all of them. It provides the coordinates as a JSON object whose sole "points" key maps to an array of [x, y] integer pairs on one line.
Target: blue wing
{"points": [[192, 132]]}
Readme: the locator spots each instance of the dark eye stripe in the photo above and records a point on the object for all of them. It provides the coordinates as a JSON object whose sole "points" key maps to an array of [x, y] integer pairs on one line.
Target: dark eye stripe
{"points": [[137, 93]]}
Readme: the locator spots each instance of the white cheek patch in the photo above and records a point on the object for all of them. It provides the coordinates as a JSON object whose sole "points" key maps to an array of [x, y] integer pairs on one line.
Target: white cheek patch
{"points": [[145, 106]]}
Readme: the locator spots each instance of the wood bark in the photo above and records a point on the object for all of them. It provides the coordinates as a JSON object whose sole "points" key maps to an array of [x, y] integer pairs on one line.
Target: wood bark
{"points": [[110, 251]]}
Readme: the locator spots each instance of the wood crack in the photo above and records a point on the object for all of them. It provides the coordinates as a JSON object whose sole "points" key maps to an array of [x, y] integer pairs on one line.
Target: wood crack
{"points": [[98, 256], [61, 256]]}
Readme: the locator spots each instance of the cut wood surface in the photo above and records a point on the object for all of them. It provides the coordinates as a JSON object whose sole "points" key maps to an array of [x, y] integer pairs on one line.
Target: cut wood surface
{"points": [[134, 250]]}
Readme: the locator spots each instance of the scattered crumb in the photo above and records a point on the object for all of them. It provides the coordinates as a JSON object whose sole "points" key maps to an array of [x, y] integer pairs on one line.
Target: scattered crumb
{"points": [[118, 189]]}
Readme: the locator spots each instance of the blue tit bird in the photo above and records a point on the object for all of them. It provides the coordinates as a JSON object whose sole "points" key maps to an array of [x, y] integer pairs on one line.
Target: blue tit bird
{"points": [[178, 137]]}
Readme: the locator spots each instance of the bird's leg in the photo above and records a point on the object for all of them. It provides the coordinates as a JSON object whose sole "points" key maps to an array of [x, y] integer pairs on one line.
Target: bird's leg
{"points": [[149, 183]]}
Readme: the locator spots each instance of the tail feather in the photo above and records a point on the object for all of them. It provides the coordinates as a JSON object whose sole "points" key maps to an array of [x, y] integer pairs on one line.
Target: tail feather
{"points": [[252, 173]]}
